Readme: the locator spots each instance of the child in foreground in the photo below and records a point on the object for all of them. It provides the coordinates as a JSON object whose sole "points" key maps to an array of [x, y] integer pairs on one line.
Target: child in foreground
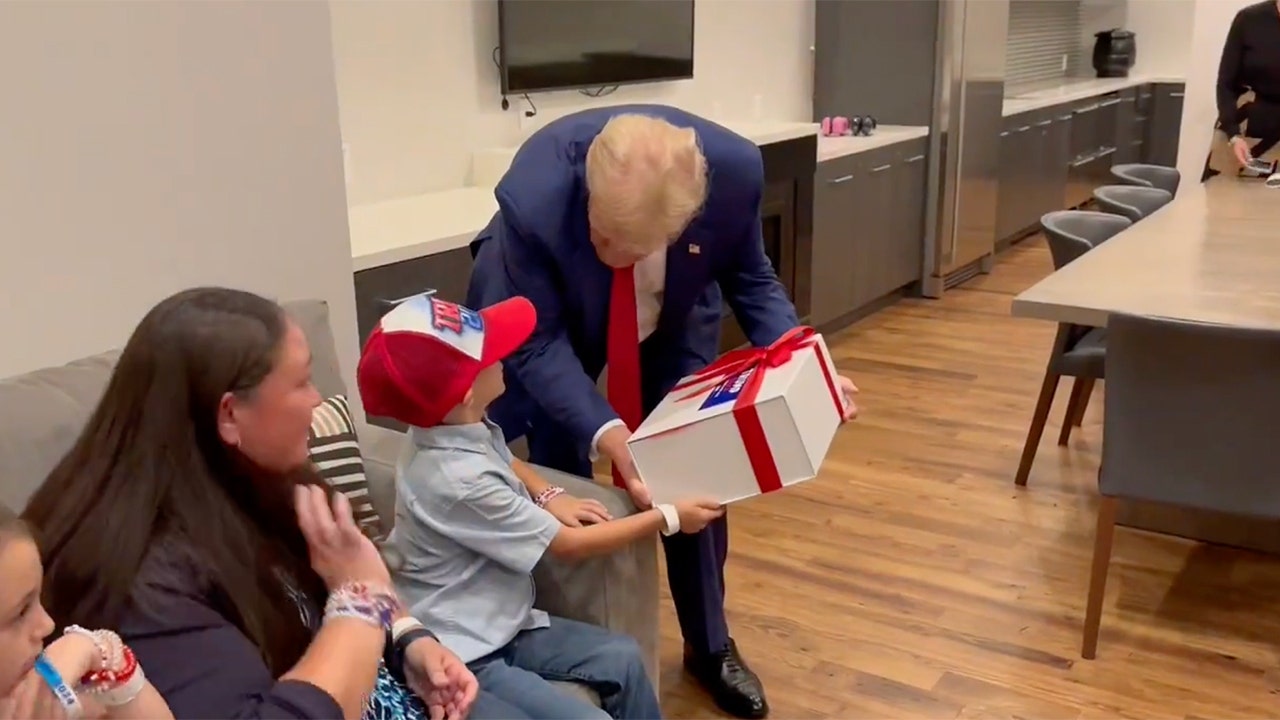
{"points": [[471, 531], [81, 674]]}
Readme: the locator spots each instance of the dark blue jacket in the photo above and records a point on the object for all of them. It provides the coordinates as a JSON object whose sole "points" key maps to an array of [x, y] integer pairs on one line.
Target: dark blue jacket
{"points": [[538, 245]]}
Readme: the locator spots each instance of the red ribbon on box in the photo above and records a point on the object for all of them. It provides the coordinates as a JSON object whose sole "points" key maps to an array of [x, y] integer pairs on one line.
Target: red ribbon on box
{"points": [[758, 361]]}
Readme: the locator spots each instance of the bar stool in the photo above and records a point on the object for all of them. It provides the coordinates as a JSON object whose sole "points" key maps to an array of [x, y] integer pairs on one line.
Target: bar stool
{"points": [[1078, 351], [1132, 201], [1144, 175]]}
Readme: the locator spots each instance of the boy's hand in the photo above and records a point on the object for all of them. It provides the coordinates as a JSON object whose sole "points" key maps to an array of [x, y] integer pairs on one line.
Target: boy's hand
{"points": [[576, 512]]}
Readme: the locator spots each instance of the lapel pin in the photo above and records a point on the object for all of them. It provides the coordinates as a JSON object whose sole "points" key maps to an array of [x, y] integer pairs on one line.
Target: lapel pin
{"points": [[695, 249]]}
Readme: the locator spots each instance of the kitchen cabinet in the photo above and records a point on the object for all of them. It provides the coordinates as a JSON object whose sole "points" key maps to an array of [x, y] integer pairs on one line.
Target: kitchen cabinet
{"points": [[859, 71], [834, 223], [1127, 151], [868, 228], [446, 273], [1052, 159], [910, 176], [1164, 124], [1034, 154], [875, 215]]}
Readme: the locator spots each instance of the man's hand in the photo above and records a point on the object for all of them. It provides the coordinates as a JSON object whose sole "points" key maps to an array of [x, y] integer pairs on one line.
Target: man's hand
{"points": [[440, 679], [613, 445], [848, 390], [576, 512]]}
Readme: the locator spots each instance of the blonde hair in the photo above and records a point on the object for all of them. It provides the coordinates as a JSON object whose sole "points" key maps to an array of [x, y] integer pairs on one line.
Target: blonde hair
{"points": [[647, 179]]}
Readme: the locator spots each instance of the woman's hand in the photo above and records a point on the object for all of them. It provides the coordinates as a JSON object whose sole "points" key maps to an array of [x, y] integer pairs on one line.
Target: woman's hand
{"points": [[1240, 148], [340, 553], [576, 512], [443, 681]]}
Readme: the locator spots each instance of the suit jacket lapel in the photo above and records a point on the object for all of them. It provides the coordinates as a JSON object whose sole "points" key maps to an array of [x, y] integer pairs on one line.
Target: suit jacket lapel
{"points": [[687, 261]]}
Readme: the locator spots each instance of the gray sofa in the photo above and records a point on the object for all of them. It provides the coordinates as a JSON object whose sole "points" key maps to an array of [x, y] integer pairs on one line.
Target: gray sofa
{"points": [[42, 412]]}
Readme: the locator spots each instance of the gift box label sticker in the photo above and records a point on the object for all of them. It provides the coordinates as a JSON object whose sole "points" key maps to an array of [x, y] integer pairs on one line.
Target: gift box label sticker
{"points": [[727, 391]]}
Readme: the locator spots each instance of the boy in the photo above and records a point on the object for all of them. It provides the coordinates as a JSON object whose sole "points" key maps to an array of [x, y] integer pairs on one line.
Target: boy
{"points": [[471, 532]]}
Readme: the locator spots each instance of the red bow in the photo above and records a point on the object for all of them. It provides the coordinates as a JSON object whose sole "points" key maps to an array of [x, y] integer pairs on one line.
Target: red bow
{"points": [[736, 362], [757, 361]]}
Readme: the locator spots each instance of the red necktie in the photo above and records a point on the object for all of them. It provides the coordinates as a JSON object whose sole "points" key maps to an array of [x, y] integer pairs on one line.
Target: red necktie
{"points": [[624, 353]]}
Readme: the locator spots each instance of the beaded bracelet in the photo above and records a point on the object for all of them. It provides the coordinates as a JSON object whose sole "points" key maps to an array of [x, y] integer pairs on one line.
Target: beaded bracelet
{"points": [[548, 495], [376, 606], [117, 678]]}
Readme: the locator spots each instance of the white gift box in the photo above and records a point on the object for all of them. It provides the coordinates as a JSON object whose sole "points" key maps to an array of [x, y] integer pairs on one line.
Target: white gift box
{"points": [[752, 422]]}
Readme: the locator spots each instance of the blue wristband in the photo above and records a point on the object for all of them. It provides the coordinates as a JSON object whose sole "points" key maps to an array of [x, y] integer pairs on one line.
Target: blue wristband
{"points": [[66, 696]]}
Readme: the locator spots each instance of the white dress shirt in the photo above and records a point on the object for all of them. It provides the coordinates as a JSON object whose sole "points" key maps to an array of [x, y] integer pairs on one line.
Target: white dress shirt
{"points": [[651, 280]]}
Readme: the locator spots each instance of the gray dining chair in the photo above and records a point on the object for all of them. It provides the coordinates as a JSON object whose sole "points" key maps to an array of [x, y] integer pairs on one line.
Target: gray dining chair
{"points": [[1145, 175], [1193, 417], [1078, 351], [1132, 201]]}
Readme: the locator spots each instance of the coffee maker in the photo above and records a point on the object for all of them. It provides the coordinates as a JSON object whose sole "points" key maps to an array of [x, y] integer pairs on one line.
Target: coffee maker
{"points": [[1114, 52]]}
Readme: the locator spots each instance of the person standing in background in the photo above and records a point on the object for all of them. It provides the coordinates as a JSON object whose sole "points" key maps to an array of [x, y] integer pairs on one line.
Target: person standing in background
{"points": [[1251, 62]]}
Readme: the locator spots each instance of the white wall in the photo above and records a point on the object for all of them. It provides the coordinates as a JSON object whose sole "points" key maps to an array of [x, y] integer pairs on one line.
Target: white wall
{"points": [[149, 147], [1163, 29], [1212, 20], [418, 88]]}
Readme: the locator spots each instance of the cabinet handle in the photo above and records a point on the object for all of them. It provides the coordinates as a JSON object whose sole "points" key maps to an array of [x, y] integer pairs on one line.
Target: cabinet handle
{"points": [[1177, 94], [1046, 123], [916, 158], [1128, 99], [1064, 118], [1004, 134], [1083, 110], [1024, 128], [841, 179], [881, 168], [1109, 103]]}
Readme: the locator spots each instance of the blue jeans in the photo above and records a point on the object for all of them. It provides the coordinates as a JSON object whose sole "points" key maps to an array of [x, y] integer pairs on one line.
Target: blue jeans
{"points": [[514, 681]]}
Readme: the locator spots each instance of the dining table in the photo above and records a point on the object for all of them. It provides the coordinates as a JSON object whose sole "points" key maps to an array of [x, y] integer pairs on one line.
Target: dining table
{"points": [[1211, 255]]}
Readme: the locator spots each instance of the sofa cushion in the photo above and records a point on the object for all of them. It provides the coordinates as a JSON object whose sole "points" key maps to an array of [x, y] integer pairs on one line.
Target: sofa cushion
{"points": [[335, 450], [43, 413], [313, 317]]}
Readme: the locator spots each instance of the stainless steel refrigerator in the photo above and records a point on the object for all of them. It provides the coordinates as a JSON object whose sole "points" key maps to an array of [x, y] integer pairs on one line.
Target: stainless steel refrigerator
{"points": [[967, 109]]}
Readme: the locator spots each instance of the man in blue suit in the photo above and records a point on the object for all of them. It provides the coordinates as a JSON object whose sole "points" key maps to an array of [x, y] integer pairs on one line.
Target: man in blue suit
{"points": [[623, 226]]}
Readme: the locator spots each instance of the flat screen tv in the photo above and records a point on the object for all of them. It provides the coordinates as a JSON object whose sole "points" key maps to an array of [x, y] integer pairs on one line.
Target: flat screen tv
{"points": [[567, 44]]}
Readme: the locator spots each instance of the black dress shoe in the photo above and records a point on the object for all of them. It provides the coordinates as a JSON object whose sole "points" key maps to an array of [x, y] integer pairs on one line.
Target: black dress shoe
{"points": [[730, 682]]}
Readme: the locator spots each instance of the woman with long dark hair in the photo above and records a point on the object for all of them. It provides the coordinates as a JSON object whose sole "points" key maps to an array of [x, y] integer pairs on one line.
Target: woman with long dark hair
{"points": [[188, 516]]}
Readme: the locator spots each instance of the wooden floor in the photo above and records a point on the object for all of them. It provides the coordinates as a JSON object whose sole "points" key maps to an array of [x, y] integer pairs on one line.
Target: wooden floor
{"points": [[912, 579]]}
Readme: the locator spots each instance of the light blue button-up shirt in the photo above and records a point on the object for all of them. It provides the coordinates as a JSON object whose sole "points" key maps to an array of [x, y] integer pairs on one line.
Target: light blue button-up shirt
{"points": [[470, 535]]}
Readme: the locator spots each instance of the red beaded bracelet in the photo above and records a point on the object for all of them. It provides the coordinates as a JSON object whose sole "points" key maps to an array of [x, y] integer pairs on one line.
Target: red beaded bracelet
{"points": [[107, 679], [548, 495]]}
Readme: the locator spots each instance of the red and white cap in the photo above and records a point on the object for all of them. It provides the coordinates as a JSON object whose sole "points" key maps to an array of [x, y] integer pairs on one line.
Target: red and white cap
{"points": [[424, 355]]}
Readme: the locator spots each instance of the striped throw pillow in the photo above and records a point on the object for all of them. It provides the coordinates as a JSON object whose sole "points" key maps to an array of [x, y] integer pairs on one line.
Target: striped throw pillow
{"points": [[335, 450]]}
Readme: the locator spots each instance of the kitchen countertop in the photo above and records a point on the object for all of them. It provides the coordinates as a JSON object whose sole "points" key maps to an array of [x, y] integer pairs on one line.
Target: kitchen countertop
{"points": [[1042, 95], [392, 231], [830, 148], [1209, 256]]}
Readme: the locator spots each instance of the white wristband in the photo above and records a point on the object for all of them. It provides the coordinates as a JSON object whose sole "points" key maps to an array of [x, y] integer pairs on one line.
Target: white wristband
{"points": [[125, 694], [672, 517], [404, 625]]}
